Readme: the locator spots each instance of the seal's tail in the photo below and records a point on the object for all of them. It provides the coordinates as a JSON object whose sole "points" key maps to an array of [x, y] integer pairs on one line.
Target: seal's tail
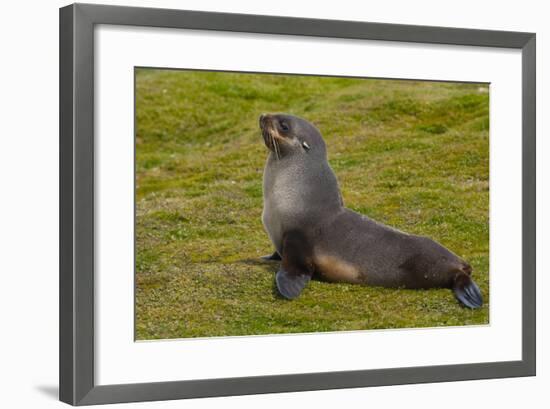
{"points": [[467, 292]]}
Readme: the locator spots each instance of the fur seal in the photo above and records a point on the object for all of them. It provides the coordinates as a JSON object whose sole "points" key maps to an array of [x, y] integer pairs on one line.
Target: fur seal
{"points": [[314, 235]]}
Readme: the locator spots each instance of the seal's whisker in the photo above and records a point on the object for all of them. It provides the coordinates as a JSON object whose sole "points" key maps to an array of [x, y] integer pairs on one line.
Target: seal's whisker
{"points": [[278, 149], [275, 146]]}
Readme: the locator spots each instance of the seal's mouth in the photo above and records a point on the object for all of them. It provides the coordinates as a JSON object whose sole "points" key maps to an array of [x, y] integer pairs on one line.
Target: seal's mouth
{"points": [[272, 139]]}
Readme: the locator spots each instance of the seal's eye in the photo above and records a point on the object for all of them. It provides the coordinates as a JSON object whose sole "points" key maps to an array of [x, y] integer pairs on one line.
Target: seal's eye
{"points": [[284, 126]]}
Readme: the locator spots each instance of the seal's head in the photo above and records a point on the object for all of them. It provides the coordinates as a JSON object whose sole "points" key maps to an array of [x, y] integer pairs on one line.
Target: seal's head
{"points": [[287, 135]]}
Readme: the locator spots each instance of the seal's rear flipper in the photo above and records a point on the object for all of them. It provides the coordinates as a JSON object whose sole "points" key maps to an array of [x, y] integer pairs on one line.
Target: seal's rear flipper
{"points": [[290, 285], [467, 292], [272, 257]]}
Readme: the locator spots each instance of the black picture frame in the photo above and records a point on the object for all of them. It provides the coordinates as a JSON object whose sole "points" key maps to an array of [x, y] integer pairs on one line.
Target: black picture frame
{"points": [[76, 29]]}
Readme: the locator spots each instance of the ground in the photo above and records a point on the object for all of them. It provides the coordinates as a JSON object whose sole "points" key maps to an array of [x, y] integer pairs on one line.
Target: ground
{"points": [[411, 154]]}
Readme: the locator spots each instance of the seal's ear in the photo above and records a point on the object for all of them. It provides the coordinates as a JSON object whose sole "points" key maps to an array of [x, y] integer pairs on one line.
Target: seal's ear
{"points": [[306, 146], [296, 268]]}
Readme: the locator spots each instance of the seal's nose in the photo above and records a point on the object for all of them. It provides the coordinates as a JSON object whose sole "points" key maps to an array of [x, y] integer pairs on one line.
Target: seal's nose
{"points": [[264, 118]]}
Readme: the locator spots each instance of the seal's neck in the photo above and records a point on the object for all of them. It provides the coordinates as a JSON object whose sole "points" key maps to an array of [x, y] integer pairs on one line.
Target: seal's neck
{"points": [[301, 184]]}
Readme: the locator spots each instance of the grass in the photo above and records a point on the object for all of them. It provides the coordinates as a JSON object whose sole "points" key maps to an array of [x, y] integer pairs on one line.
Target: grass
{"points": [[412, 154]]}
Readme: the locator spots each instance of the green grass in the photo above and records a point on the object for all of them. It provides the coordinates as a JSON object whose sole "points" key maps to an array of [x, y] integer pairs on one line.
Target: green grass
{"points": [[411, 154]]}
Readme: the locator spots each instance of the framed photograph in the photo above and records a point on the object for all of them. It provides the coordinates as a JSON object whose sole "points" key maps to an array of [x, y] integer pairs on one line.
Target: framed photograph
{"points": [[258, 204]]}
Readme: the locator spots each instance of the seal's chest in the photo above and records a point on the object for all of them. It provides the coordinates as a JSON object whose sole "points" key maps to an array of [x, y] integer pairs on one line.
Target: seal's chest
{"points": [[283, 203], [277, 211], [271, 221]]}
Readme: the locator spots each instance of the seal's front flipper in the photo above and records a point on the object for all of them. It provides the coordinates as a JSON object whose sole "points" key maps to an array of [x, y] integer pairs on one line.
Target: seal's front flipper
{"points": [[272, 257], [467, 292], [290, 285], [296, 267]]}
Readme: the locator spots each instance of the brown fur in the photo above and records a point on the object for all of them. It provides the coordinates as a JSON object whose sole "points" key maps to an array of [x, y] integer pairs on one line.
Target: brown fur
{"points": [[334, 269]]}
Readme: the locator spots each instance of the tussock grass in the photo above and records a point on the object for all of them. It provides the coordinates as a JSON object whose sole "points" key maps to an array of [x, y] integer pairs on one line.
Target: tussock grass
{"points": [[411, 154]]}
